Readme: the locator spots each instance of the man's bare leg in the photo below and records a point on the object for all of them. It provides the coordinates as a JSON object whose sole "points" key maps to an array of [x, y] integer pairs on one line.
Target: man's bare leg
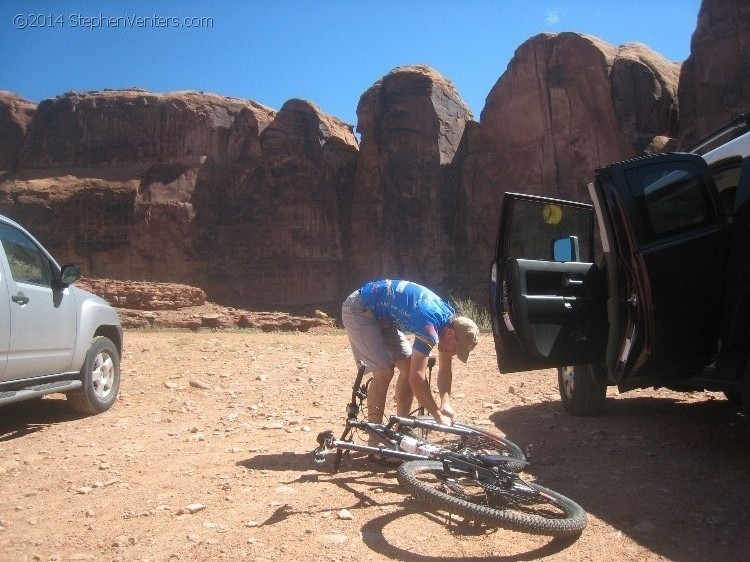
{"points": [[404, 394], [376, 395]]}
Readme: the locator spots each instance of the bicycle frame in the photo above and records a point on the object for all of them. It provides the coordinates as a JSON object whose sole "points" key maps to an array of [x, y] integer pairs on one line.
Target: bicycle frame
{"points": [[475, 476], [390, 438]]}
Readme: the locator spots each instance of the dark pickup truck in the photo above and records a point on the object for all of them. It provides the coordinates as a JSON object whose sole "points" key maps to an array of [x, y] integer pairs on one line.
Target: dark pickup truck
{"points": [[660, 298]]}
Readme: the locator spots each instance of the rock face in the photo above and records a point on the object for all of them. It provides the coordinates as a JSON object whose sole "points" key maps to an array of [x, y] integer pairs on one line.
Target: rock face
{"points": [[569, 103], [272, 227], [715, 82], [221, 193], [406, 213], [15, 117], [267, 209]]}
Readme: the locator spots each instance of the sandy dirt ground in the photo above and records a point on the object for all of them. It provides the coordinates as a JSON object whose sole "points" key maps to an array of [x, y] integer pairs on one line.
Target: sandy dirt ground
{"points": [[206, 456]]}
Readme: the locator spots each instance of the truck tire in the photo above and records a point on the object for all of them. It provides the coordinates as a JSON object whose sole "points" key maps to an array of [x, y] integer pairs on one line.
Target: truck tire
{"points": [[100, 375], [582, 393]]}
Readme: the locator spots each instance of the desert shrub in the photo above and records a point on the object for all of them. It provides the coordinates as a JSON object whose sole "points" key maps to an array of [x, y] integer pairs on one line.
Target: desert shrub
{"points": [[468, 307]]}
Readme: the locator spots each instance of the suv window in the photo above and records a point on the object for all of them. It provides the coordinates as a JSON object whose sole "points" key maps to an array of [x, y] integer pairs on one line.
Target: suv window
{"points": [[28, 264], [536, 225], [670, 198]]}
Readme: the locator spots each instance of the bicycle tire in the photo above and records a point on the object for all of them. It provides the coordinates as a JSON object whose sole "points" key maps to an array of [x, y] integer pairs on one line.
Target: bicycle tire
{"points": [[480, 441], [464, 496]]}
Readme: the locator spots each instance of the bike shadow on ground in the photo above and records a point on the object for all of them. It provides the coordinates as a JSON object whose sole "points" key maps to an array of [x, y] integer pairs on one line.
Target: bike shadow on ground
{"points": [[359, 476], [24, 418], [356, 472], [660, 470], [373, 535]]}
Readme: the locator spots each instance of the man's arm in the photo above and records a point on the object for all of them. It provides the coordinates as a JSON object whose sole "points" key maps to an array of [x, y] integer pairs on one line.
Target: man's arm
{"points": [[421, 387], [444, 383]]}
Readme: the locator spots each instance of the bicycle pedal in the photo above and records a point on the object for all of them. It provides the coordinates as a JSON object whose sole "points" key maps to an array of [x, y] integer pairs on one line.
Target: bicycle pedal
{"points": [[319, 457]]}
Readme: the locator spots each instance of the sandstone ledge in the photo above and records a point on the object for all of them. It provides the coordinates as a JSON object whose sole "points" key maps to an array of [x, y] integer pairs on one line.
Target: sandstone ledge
{"points": [[172, 305]]}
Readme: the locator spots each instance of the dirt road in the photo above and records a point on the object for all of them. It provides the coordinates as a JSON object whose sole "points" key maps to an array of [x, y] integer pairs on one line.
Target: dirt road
{"points": [[206, 456]]}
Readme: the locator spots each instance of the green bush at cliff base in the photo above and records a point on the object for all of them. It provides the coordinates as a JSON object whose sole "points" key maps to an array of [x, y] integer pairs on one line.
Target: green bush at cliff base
{"points": [[469, 308]]}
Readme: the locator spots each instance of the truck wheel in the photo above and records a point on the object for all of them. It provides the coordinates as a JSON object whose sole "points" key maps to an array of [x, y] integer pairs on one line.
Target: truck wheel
{"points": [[100, 375], [581, 392]]}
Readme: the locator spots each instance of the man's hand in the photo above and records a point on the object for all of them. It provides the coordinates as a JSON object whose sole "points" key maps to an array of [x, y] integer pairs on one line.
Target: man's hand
{"points": [[447, 410], [442, 419]]}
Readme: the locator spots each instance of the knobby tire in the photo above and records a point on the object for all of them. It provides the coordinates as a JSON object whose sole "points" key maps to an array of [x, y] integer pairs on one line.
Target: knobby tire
{"points": [[553, 515]]}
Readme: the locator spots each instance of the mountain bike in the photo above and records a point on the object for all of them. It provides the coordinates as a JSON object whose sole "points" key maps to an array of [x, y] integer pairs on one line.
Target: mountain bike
{"points": [[463, 470]]}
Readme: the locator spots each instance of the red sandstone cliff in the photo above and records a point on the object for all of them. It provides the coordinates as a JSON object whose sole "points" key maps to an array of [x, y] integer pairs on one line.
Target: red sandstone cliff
{"points": [[269, 209], [15, 117], [715, 81], [405, 199], [185, 187]]}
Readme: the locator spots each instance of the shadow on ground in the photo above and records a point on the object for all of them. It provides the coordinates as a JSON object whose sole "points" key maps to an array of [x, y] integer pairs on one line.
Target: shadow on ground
{"points": [[358, 476], [669, 473], [23, 418]]}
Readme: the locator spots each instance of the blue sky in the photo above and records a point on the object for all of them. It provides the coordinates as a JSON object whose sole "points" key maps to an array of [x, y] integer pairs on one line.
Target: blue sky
{"points": [[325, 51]]}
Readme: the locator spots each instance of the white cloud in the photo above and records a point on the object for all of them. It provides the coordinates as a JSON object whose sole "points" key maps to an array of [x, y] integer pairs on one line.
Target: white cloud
{"points": [[552, 18]]}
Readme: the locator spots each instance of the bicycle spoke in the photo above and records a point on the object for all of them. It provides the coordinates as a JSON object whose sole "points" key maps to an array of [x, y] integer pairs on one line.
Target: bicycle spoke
{"points": [[495, 495]]}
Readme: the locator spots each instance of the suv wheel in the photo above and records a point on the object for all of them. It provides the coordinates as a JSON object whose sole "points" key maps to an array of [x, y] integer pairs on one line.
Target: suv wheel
{"points": [[100, 375], [582, 393]]}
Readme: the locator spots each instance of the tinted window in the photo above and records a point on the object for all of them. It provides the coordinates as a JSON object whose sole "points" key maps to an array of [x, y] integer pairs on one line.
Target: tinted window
{"points": [[28, 264], [671, 198], [536, 225]]}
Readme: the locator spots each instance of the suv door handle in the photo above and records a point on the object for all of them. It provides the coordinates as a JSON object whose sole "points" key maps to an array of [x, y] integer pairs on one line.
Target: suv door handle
{"points": [[20, 299]]}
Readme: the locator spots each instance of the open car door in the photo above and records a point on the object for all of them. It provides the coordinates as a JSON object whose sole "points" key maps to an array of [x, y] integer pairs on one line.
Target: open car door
{"points": [[548, 299], [666, 244]]}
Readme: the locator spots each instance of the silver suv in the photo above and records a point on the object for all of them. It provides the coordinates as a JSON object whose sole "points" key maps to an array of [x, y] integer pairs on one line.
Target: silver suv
{"points": [[54, 337]]}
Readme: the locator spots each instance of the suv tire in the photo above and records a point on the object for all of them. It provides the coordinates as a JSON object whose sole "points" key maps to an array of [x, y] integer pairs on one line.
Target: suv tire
{"points": [[582, 393], [100, 375]]}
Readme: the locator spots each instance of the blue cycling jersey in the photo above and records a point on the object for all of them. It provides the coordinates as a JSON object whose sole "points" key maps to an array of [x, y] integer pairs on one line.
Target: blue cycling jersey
{"points": [[410, 307]]}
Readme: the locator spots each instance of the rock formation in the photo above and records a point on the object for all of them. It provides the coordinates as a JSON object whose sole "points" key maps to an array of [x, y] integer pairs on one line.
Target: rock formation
{"points": [[267, 209], [715, 81], [172, 305], [15, 116], [272, 227], [405, 209], [188, 187]]}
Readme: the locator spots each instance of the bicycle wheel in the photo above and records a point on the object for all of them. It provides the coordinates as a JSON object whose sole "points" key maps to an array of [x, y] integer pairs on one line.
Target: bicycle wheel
{"points": [[520, 507], [476, 440]]}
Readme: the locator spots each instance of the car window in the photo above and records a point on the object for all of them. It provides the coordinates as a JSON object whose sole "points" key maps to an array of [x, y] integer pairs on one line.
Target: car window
{"points": [[671, 198], [28, 264], [727, 177], [537, 225]]}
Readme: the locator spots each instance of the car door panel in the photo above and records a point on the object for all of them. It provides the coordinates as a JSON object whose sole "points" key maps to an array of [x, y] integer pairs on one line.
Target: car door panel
{"points": [[546, 313], [556, 308], [42, 318]]}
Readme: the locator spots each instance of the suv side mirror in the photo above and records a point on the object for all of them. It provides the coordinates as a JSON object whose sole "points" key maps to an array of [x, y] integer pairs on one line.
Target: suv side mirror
{"points": [[566, 249], [69, 274]]}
